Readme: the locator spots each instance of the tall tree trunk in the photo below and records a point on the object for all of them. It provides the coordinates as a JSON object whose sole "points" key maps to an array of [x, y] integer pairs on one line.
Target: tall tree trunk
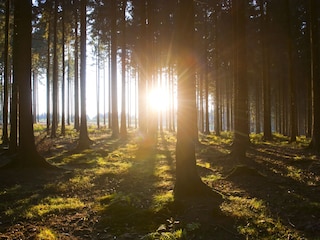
{"points": [[76, 67], [142, 78], [98, 81], [55, 73], [292, 80], [5, 137], [28, 155], [63, 91], [48, 71], [114, 85], [267, 134], [315, 81], [241, 124], [84, 141], [123, 129], [188, 182]]}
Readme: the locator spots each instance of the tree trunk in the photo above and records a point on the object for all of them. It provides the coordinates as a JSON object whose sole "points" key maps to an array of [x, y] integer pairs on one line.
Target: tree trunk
{"points": [[98, 81], [267, 134], [63, 92], [114, 85], [292, 81], [55, 74], [48, 71], [123, 129], [5, 137], [188, 182], [28, 155], [84, 141], [241, 124], [76, 68], [315, 81], [142, 115]]}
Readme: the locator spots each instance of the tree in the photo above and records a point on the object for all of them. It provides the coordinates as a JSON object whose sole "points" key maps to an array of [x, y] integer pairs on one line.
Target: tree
{"points": [[27, 154], [241, 124], [267, 134], [76, 66], [123, 128], [55, 72], [188, 182], [292, 80], [114, 92], [84, 141], [5, 138], [63, 92], [315, 83]]}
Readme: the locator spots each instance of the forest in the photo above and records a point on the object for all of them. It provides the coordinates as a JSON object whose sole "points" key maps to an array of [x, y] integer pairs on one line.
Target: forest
{"points": [[157, 119]]}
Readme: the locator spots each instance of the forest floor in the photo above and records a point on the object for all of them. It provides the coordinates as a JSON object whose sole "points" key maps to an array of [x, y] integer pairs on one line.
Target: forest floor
{"points": [[123, 189]]}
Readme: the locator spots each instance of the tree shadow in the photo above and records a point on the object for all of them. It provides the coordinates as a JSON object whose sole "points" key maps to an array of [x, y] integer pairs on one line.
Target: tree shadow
{"points": [[285, 187]]}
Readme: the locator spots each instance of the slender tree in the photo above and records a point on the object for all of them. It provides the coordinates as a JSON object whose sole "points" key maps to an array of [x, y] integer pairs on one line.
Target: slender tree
{"points": [[114, 85], [5, 138], [84, 141], [267, 134], [48, 66], [292, 80], [76, 66], [63, 87], [123, 129], [241, 124], [55, 73], [315, 73]]}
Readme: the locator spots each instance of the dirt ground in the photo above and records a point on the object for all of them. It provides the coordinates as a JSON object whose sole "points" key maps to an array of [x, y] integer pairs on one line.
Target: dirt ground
{"points": [[122, 189]]}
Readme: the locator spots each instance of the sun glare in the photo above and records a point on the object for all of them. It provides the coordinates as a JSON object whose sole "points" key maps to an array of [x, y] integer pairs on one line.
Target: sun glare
{"points": [[158, 99]]}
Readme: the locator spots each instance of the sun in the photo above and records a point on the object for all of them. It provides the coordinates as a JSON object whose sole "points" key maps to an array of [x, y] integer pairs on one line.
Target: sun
{"points": [[158, 99]]}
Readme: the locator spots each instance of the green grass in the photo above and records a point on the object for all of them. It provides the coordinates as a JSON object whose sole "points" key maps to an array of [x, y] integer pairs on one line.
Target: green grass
{"points": [[51, 205], [126, 188], [46, 234]]}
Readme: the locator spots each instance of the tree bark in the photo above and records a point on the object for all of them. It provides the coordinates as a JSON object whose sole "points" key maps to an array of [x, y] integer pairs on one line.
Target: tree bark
{"points": [[55, 74], [241, 121], [114, 85], [188, 182], [5, 137], [27, 153], [315, 81], [84, 141], [123, 129], [76, 68]]}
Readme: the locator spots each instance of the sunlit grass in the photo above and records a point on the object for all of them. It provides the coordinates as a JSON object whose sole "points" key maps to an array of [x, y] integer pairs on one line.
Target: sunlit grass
{"points": [[53, 205], [162, 200], [294, 173], [46, 234], [113, 168], [258, 222]]}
